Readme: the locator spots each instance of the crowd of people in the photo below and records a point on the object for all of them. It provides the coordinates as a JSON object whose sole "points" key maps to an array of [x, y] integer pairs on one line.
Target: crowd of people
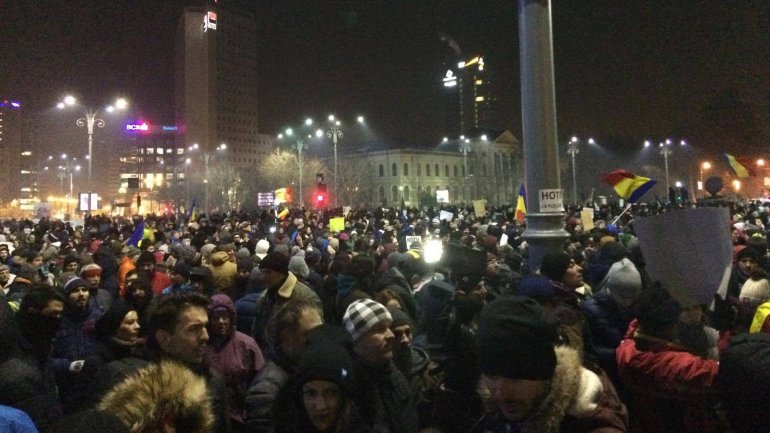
{"points": [[247, 322]]}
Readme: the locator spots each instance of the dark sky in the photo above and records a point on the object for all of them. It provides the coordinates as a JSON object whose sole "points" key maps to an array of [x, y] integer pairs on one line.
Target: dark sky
{"points": [[625, 70]]}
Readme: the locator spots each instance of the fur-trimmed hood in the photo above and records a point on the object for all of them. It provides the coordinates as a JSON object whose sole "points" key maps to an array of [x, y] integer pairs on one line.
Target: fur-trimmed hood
{"points": [[165, 397]]}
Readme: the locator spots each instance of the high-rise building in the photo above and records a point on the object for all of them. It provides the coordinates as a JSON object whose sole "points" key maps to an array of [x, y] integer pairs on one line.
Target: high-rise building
{"points": [[470, 101], [216, 81], [11, 132]]}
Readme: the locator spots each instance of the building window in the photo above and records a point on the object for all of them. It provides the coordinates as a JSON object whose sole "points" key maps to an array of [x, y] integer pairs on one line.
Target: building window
{"points": [[427, 169], [406, 193], [419, 168], [382, 195], [446, 170], [382, 170], [438, 173], [455, 171], [406, 169], [394, 169], [394, 193], [463, 170]]}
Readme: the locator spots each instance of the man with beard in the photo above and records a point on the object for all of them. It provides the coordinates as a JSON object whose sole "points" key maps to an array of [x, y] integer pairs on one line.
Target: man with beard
{"points": [[73, 353], [536, 384], [26, 380], [384, 397], [145, 264]]}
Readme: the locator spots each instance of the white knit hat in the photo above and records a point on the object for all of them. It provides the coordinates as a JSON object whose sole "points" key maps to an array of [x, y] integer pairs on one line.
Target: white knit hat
{"points": [[756, 291]]}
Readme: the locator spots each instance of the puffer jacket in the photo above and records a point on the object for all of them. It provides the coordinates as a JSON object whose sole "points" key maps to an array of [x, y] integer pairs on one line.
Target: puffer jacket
{"points": [[236, 356], [223, 272]]}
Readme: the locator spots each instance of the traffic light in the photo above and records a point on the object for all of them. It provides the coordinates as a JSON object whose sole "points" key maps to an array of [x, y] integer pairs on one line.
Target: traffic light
{"points": [[320, 195]]}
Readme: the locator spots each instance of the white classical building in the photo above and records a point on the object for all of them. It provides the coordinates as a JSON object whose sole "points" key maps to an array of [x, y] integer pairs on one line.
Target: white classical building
{"points": [[470, 168]]}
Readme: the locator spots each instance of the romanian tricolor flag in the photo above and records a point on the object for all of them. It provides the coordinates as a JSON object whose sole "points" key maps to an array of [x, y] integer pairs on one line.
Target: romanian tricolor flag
{"points": [[521, 205], [628, 185], [284, 213], [739, 166], [283, 195], [193, 215]]}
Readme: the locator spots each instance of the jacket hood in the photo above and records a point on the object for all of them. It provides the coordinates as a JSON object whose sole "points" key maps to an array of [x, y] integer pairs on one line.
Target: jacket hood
{"points": [[221, 301], [163, 397], [219, 258]]}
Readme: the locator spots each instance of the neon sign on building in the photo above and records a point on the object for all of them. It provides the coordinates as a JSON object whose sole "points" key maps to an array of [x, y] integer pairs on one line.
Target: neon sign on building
{"points": [[138, 127]]}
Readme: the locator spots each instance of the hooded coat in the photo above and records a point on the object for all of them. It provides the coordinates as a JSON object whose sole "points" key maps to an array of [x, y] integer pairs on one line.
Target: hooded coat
{"points": [[223, 272], [581, 399], [160, 396], [235, 356]]}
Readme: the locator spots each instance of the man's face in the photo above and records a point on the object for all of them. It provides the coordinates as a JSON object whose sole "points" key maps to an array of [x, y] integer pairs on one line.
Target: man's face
{"points": [[187, 342], [273, 279], [516, 398], [146, 268], [79, 297], [221, 323], [71, 267], [746, 265], [177, 278], [37, 261], [94, 281], [4, 255], [54, 309], [574, 275], [376, 346], [293, 342], [5, 274], [402, 336]]}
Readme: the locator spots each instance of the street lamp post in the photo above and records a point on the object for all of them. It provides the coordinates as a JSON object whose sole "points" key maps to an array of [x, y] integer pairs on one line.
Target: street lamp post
{"points": [[573, 150], [465, 148], [705, 166], [300, 147], [334, 133], [89, 121], [666, 150]]}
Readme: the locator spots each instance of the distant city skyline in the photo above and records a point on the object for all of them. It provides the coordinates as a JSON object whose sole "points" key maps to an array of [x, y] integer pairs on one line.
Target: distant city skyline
{"points": [[624, 71]]}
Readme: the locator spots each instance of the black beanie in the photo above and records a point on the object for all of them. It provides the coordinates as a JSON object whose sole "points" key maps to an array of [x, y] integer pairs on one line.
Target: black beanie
{"points": [[400, 318], [554, 266], [146, 257], [516, 339], [275, 261], [111, 320], [327, 357]]}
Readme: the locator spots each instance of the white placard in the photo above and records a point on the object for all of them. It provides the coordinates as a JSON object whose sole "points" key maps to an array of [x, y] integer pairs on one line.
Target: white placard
{"points": [[412, 239], [442, 195], [551, 200], [445, 215]]}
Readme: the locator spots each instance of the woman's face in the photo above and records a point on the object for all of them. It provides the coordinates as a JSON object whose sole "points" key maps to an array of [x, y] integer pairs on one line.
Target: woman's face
{"points": [[129, 328], [323, 403], [221, 323]]}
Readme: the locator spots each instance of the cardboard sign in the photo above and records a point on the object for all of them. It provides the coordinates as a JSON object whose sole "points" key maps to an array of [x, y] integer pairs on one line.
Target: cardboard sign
{"points": [[479, 208], [445, 215], [337, 224], [442, 196], [503, 239], [412, 239], [587, 216], [689, 251]]}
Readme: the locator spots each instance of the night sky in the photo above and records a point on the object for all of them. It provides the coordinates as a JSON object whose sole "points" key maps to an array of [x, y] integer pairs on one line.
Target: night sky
{"points": [[625, 70]]}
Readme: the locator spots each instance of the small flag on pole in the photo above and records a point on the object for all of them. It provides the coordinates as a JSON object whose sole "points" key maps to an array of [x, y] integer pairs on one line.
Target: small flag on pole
{"points": [[740, 168], [521, 205], [628, 185], [193, 215]]}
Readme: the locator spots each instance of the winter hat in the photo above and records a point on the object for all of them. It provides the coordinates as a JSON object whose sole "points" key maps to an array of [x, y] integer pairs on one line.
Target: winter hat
{"points": [[554, 266], [73, 284], [326, 357], [146, 257], [275, 261], [69, 259], [756, 291], [199, 273], [206, 251], [181, 268], [747, 253], [109, 323], [334, 243], [400, 318], [245, 265], [536, 287], [243, 253], [623, 280], [362, 315], [261, 248], [516, 339], [656, 309], [298, 267], [133, 252], [90, 270]]}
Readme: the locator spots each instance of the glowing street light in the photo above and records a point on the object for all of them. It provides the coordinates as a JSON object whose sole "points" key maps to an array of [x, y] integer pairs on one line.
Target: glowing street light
{"points": [[573, 150], [665, 150]]}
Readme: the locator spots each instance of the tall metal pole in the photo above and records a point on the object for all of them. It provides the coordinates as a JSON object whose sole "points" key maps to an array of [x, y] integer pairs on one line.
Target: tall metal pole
{"points": [[665, 151], [545, 230], [334, 133], [465, 147], [89, 121], [572, 149], [206, 181], [300, 146]]}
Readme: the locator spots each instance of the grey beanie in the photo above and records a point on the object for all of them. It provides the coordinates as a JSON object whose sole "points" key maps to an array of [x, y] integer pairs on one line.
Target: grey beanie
{"points": [[623, 280], [298, 267]]}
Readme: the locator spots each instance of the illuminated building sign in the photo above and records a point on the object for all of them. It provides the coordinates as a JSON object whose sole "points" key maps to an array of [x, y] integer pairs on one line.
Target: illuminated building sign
{"points": [[168, 128], [210, 21], [137, 127], [450, 80], [12, 104]]}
